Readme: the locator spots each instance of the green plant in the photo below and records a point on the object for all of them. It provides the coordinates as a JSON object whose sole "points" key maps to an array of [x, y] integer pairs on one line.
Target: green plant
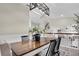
{"points": [[46, 27], [77, 22], [77, 18], [38, 29]]}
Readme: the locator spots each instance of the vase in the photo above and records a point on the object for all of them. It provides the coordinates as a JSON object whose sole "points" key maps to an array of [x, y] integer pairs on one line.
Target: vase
{"points": [[37, 37]]}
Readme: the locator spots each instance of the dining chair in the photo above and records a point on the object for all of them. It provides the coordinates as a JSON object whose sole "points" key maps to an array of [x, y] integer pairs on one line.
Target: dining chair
{"points": [[51, 48], [5, 49], [24, 38]]}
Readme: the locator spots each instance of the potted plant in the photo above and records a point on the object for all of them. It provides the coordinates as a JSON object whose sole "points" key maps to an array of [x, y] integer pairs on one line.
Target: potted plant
{"points": [[36, 32]]}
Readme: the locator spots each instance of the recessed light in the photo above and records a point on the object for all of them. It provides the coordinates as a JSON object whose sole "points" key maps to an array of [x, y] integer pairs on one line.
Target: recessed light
{"points": [[61, 15]]}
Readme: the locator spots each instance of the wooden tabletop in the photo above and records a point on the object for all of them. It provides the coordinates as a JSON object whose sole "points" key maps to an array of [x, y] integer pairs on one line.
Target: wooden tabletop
{"points": [[21, 48]]}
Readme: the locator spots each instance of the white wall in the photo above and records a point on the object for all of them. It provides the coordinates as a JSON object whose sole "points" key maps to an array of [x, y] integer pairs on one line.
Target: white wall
{"points": [[59, 22], [13, 19]]}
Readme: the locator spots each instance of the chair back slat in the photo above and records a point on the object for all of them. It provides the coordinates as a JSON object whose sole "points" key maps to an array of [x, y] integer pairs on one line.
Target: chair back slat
{"points": [[58, 44], [51, 48]]}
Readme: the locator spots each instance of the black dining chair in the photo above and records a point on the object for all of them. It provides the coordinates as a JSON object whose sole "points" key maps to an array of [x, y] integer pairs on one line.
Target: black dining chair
{"points": [[51, 48], [24, 38]]}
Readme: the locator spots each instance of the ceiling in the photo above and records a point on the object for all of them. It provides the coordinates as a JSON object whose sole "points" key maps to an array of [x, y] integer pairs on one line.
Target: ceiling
{"points": [[61, 14], [63, 9]]}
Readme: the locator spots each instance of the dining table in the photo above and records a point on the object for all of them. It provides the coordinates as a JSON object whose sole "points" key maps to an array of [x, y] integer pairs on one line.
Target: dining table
{"points": [[29, 47]]}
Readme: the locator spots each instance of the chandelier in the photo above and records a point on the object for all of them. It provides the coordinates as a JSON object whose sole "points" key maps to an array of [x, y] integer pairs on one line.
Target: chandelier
{"points": [[41, 6]]}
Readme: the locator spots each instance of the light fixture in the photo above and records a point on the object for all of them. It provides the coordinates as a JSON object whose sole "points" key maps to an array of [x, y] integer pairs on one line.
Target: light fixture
{"points": [[61, 15], [41, 6]]}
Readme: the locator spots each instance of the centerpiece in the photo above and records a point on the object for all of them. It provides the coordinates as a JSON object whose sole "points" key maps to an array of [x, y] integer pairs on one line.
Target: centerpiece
{"points": [[37, 31]]}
